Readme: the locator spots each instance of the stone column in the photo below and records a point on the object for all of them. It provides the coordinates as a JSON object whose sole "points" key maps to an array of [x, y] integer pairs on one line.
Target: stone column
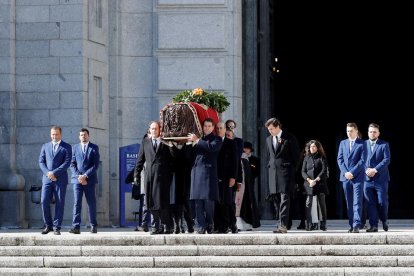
{"points": [[266, 98], [12, 196]]}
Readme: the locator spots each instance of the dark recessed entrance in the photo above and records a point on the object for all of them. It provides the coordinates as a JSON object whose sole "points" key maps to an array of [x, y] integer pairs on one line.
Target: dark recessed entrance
{"points": [[332, 67]]}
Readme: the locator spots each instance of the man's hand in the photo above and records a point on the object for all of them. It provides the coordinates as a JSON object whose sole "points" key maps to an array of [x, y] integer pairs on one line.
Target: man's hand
{"points": [[192, 138], [136, 181], [312, 182], [51, 176], [349, 176], [370, 172], [83, 179]]}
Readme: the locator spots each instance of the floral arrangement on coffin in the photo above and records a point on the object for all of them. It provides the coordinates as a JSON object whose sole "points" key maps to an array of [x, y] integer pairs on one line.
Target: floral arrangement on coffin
{"points": [[215, 100], [188, 110]]}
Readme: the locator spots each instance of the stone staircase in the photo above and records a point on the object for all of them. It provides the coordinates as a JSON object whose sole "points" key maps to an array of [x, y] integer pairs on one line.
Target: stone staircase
{"points": [[297, 253]]}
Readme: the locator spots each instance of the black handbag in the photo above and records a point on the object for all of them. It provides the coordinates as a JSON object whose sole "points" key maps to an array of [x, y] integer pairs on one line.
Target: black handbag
{"points": [[136, 189], [136, 192]]}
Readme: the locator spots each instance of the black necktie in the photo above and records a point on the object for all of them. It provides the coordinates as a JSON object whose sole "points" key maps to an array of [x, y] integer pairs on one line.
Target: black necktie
{"points": [[154, 144]]}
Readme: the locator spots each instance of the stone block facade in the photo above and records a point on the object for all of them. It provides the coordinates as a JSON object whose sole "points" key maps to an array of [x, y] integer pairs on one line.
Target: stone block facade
{"points": [[110, 66]]}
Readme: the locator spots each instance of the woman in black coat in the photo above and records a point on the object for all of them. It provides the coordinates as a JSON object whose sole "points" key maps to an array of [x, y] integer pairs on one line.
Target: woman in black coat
{"points": [[315, 174]]}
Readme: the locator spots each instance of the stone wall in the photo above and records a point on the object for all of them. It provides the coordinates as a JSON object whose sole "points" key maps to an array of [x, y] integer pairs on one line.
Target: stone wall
{"points": [[108, 65]]}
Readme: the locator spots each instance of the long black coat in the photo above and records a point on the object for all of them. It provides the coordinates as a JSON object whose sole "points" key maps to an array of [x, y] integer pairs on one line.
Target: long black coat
{"points": [[254, 162], [180, 185], [248, 210], [158, 173], [204, 180], [314, 166], [282, 163], [227, 166]]}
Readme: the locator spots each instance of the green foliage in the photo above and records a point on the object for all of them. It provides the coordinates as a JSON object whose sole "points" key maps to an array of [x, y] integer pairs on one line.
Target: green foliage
{"points": [[215, 100]]}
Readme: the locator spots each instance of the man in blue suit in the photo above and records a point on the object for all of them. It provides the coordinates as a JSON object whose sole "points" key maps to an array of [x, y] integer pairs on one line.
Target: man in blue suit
{"points": [[377, 158], [85, 163], [351, 164], [54, 160]]}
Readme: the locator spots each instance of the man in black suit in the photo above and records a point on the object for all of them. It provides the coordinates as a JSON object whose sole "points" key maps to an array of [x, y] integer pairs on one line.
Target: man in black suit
{"points": [[158, 177], [283, 153], [204, 179], [227, 166]]}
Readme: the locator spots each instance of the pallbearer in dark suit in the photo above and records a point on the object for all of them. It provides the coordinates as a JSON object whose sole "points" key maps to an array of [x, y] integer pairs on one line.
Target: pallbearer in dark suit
{"points": [[204, 180], [283, 154], [84, 165], [377, 158], [158, 177], [54, 160], [227, 166]]}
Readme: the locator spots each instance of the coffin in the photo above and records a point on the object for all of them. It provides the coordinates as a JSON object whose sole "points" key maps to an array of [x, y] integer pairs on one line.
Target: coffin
{"points": [[180, 119]]}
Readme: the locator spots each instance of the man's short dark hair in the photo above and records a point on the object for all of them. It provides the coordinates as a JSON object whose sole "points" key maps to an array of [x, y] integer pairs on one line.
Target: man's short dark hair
{"points": [[374, 125], [208, 120], [84, 130], [273, 121], [56, 128]]}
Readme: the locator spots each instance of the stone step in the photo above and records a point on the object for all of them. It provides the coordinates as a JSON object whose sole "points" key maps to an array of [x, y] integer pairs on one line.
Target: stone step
{"points": [[207, 261], [213, 239], [347, 271], [208, 250]]}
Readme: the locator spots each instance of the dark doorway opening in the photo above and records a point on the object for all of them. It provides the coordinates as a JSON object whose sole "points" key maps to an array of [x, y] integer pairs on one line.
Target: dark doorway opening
{"points": [[352, 53]]}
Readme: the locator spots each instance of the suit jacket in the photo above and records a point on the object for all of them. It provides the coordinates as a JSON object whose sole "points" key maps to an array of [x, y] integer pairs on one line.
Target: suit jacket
{"points": [[204, 179], [314, 166], [227, 167], [87, 163], [158, 173], [58, 164], [379, 159], [351, 161], [282, 163]]}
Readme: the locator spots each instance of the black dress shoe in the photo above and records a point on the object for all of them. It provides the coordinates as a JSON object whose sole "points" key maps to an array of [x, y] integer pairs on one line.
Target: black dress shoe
{"points": [[168, 230], [177, 230], [74, 231], [56, 232], [385, 226], [143, 227], [201, 231], [301, 226], [190, 229], [46, 230], [234, 229], [94, 229], [210, 229], [372, 229]]}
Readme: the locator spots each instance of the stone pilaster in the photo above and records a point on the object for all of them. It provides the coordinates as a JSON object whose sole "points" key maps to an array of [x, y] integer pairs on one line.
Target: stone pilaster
{"points": [[12, 184]]}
